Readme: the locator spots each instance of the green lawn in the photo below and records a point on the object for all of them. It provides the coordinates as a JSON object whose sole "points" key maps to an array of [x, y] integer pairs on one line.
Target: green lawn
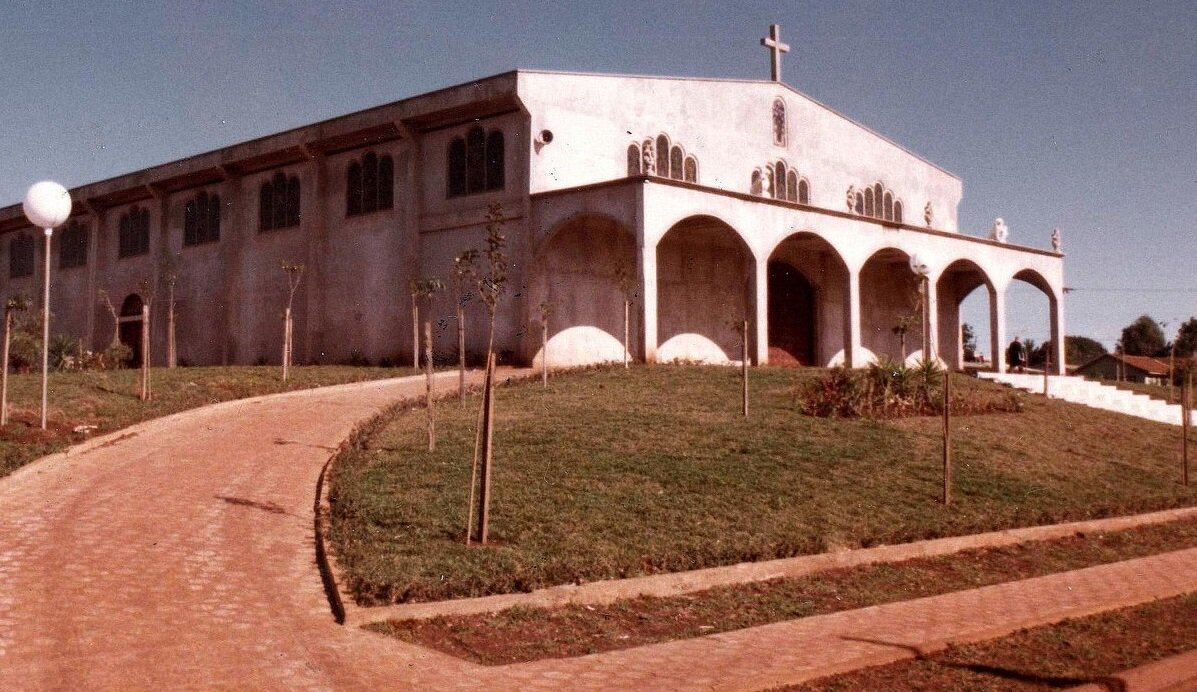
{"points": [[614, 473], [108, 399]]}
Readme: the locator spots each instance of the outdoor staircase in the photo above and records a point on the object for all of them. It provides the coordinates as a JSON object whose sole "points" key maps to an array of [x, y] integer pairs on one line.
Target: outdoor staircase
{"points": [[1078, 390]]}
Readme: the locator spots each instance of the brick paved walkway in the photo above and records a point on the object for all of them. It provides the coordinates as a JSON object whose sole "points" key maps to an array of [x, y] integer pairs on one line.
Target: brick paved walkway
{"points": [[182, 558]]}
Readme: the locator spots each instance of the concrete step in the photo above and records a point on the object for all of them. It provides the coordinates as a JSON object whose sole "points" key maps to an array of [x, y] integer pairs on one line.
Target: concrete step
{"points": [[1078, 390]]}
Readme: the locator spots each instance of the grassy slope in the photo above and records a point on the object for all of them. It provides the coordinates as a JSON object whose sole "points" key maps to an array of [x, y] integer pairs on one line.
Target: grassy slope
{"points": [[610, 474], [109, 400]]}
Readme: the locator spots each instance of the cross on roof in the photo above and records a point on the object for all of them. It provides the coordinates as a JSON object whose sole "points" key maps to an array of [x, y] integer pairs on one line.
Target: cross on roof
{"points": [[776, 47]]}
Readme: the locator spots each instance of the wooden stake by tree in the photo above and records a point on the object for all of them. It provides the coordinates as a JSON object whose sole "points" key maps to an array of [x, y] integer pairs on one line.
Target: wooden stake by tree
{"points": [[627, 286], [465, 275], [170, 276], [546, 311], [1186, 423], [294, 273], [947, 436], [491, 287], [116, 321], [744, 363], [16, 303], [427, 290], [147, 297]]}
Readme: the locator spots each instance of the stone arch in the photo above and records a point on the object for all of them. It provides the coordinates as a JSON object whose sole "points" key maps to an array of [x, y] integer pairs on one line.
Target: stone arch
{"points": [[889, 301], [1013, 304], [705, 286], [130, 327], [583, 266], [820, 318], [957, 282]]}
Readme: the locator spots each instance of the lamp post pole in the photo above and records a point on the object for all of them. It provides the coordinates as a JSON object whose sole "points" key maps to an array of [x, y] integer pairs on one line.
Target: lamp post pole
{"points": [[47, 205]]}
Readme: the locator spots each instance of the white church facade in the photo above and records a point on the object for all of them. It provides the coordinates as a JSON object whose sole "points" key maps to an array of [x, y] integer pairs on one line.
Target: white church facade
{"points": [[707, 201]]}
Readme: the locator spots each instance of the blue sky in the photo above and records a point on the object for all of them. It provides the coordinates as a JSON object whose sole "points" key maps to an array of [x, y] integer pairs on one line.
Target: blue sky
{"points": [[1080, 115]]}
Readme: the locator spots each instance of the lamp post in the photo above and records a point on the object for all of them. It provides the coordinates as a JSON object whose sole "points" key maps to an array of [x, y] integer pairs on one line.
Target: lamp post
{"points": [[922, 273], [47, 205]]}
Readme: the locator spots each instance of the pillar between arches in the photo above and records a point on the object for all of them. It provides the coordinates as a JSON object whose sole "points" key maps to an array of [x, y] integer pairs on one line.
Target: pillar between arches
{"points": [[997, 328], [931, 319], [854, 355], [647, 270], [762, 312]]}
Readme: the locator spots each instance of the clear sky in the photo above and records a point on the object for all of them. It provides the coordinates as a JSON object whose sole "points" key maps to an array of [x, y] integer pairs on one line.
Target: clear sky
{"points": [[1081, 115]]}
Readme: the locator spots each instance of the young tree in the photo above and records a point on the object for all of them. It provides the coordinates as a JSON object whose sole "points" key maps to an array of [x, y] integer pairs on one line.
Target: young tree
{"points": [[492, 286], [464, 276], [968, 338], [627, 286], [1143, 337], [170, 277], [17, 303], [546, 311], [413, 290], [147, 297], [294, 272], [427, 290]]}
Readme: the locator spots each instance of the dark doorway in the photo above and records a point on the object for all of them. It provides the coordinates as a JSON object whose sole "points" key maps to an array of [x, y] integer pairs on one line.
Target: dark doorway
{"points": [[130, 332], [791, 316]]}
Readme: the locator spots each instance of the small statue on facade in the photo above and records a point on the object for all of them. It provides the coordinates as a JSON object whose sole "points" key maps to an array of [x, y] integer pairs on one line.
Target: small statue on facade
{"points": [[758, 184], [928, 214], [851, 199], [999, 231], [648, 157], [769, 182], [1057, 246]]}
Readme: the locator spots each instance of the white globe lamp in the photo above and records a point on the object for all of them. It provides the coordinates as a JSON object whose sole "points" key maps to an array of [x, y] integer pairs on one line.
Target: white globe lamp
{"points": [[47, 205]]}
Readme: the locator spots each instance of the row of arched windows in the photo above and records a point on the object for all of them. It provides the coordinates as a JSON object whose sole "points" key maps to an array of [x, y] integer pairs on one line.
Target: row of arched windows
{"points": [[278, 203], [72, 246], [20, 256], [661, 157], [201, 219], [875, 201], [134, 232], [779, 181], [476, 162], [370, 185]]}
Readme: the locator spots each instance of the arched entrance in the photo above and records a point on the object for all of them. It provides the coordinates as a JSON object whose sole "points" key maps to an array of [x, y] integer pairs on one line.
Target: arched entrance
{"points": [[891, 307], [791, 316], [130, 327], [957, 284], [1032, 314]]}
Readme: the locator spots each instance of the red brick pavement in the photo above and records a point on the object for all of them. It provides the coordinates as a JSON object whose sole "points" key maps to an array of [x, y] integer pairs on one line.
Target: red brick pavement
{"points": [[183, 558]]}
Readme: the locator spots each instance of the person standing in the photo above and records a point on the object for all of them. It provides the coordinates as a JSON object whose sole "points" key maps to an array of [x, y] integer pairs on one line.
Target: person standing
{"points": [[1015, 355]]}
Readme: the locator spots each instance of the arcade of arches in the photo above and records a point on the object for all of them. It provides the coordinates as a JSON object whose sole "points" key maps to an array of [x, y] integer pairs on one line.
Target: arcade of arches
{"points": [[706, 283]]}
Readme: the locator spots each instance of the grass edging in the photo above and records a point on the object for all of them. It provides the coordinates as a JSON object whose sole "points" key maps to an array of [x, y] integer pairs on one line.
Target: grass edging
{"points": [[680, 583]]}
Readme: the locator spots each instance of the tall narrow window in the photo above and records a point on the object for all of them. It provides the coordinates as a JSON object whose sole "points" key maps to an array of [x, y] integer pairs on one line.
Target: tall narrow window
{"points": [[212, 231], [353, 190], [476, 160], [20, 256], [868, 201], [878, 192], [675, 162], [279, 211], [779, 122], [133, 237], [457, 167], [633, 159], [663, 156], [265, 207], [803, 192], [860, 203], [386, 182], [691, 175], [369, 183], [792, 186], [72, 249], [887, 211], [201, 219], [898, 210], [779, 178], [495, 172]]}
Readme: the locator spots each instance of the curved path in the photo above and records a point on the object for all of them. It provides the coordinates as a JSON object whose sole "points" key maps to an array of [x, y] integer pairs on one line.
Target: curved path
{"points": [[179, 554]]}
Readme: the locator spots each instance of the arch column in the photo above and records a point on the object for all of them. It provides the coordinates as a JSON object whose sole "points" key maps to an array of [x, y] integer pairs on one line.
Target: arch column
{"points": [[853, 356], [762, 311], [1058, 345], [997, 328], [646, 261], [930, 319]]}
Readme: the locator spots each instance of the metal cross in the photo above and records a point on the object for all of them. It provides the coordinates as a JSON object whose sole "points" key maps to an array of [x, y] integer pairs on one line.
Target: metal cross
{"points": [[776, 47]]}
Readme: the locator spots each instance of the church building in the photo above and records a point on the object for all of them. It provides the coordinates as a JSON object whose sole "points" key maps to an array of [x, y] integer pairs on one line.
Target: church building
{"points": [[703, 202]]}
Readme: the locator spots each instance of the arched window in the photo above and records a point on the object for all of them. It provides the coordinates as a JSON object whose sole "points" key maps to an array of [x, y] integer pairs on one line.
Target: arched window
{"points": [[369, 183], [201, 219], [868, 201], [878, 192], [353, 190], [278, 202], [675, 162], [792, 186], [20, 256], [859, 203], [133, 236], [633, 159], [663, 156], [386, 182], [888, 206], [779, 122], [779, 178], [476, 162], [898, 210], [803, 191], [495, 172], [72, 249], [691, 165]]}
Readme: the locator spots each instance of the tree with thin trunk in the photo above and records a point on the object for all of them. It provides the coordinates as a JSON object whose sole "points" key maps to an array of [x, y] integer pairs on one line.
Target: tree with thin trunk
{"points": [[294, 273], [147, 297], [427, 290], [170, 277], [17, 303], [463, 278], [413, 290], [627, 286], [546, 311], [491, 288]]}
